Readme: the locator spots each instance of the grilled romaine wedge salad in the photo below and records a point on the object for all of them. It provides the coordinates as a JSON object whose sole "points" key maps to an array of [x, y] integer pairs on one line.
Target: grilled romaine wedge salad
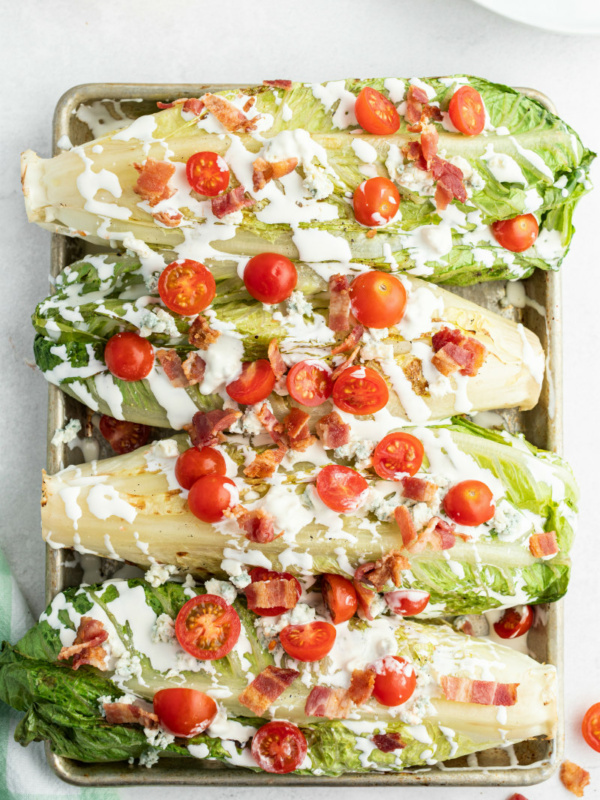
{"points": [[472, 519], [457, 180], [130, 669], [414, 337]]}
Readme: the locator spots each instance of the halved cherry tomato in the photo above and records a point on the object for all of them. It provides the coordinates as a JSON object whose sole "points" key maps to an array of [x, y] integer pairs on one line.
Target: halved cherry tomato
{"points": [[514, 622], [186, 287], [207, 627], [309, 383], [256, 383], [590, 727], [395, 680], [378, 299], [210, 495], [184, 712], [129, 356], [340, 598], [376, 202], [261, 574], [467, 112], [397, 452], [516, 234], [270, 278], [407, 602], [375, 113], [360, 390], [309, 642], [207, 173], [469, 503], [279, 747], [123, 436], [341, 488], [193, 464]]}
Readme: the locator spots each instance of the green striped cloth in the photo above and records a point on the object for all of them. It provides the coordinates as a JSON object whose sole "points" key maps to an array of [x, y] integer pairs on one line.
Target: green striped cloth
{"points": [[24, 772]]}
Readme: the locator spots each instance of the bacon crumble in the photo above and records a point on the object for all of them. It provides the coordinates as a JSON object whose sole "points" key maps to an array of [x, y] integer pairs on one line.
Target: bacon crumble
{"points": [[87, 646], [265, 463], [574, 778], [193, 369], [152, 183], [258, 525], [350, 341], [333, 431], [265, 171], [207, 426], [339, 303], [388, 742], [173, 367], [454, 351], [266, 688], [231, 201], [279, 84], [201, 335], [380, 572], [275, 360], [129, 713], [543, 544], [486, 693], [272, 593], [228, 115]]}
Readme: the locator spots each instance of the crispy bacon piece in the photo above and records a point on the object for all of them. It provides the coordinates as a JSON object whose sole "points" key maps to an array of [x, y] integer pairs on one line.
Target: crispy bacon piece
{"points": [[339, 303], [383, 570], [543, 544], [206, 426], [87, 646], [443, 197], [574, 778], [274, 593], [413, 152], [437, 534], [419, 490], [250, 102], [171, 363], [333, 431], [193, 369], [228, 115], [485, 693], [406, 525], [153, 179], [266, 688], [270, 423], [264, 171], [361, 686], [167, 219], [265, 463], [231, 201], [296, 432], [128, 713], [191, 104], [201, 335], [275, 360], [388, 742], [455, 351], [345, 364], [365, 598], [429, 143], [350, 341], [416, 98], [279, 84], [449, 177], [258, 525], [326, 702]]}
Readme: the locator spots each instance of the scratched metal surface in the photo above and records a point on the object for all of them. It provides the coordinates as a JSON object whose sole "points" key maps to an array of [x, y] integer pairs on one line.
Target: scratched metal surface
{"points": [[537, 758]]}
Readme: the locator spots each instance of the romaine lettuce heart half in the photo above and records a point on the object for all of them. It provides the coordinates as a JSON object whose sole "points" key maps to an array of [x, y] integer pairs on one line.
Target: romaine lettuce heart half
{"points": [[64, 706], [527, 160]]}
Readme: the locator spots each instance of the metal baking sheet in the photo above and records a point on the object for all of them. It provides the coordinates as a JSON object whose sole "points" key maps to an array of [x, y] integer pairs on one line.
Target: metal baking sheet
{"points": [[529, 762]]}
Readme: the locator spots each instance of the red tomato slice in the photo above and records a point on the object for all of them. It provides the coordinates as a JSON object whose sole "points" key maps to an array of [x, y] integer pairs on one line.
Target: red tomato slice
{"points": [[207, 173], [376, 202], [279, 747], [129, 356], [309, 383], [590, 727], [186, 287], [270, 278], [378, 299], [407, 602], [397, 452], [341, 488], [210, 495], [516, 234], [184, 712], [256, 383], [340, 598], [360, 390], [395, 680], [375, 113], [207, 627], [310, 642], [467, 111], [123, 436], [469, 503], [514, 622], [193, 464], [261, 574]]}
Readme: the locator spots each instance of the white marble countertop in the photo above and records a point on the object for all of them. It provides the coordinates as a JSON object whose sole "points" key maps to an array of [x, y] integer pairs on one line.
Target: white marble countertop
{"points": [[49, 47]]}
